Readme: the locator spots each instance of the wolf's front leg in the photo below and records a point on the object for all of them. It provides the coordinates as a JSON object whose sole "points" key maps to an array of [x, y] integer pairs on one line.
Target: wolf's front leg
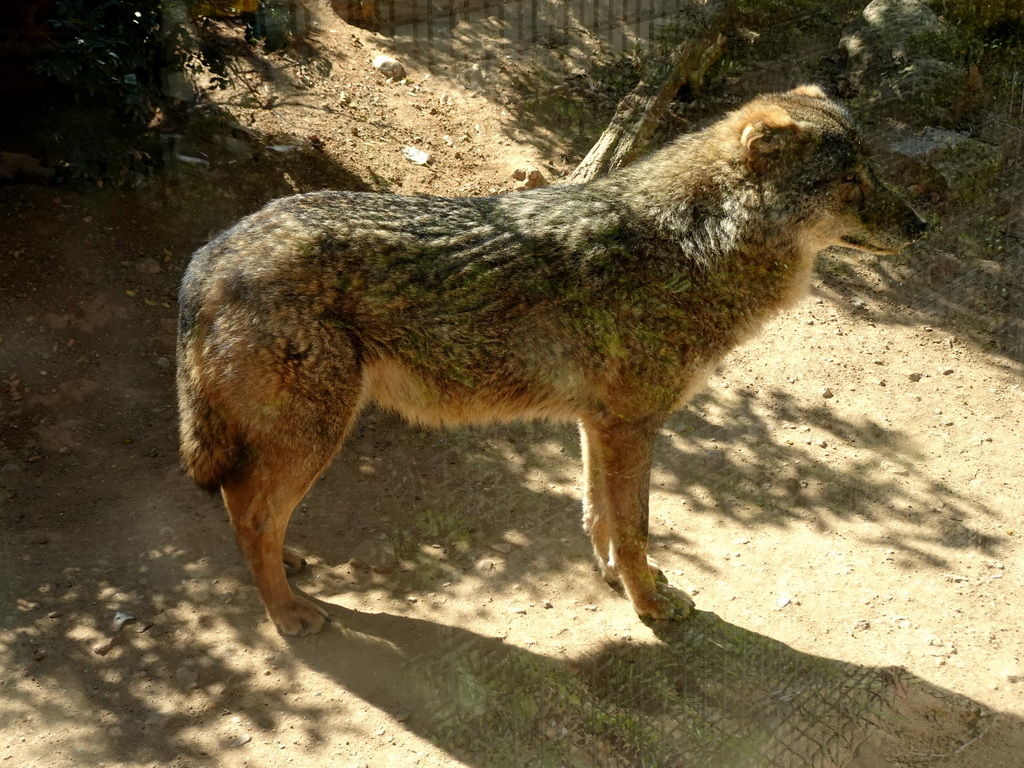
{"points": [[617, 467]]}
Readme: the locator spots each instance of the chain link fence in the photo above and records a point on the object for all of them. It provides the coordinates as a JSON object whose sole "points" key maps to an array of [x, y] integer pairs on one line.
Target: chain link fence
{"points": [[708, 695], [431, 24]]}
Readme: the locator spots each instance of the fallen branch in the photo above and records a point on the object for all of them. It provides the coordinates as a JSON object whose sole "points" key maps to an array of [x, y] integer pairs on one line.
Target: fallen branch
{"points": [[638, 114]]}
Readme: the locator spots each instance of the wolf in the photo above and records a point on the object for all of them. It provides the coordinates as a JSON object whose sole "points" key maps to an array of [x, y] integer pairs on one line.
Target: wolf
{"points": [[606, 304]]}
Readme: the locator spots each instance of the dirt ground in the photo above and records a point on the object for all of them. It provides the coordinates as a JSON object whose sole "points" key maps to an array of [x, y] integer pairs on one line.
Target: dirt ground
{"points": [[843, 500]]}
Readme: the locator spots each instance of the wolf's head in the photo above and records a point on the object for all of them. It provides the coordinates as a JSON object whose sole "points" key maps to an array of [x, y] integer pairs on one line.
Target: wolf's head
{"points": [[803, 152]]}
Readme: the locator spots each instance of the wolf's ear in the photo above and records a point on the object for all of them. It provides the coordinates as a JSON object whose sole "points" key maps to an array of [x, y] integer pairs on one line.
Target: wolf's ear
{"points": [[769, 133], [813, 91]]}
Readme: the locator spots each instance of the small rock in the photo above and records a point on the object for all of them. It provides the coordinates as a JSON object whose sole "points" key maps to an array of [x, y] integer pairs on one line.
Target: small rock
{"points": [[54, 615], [861, 625], [483, 566], [783, 601], [417, 156], [518, 611], [147, 266], [947, 371], [39, 655], [121, 618], [827, 393], [245, 738], [104, 647], [502, 546], [531, 178], [377, 556], [914, 376], [390, 67], [546, 604]]}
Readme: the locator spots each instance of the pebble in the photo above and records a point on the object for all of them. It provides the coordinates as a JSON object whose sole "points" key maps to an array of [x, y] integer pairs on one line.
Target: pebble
{"points": [[414, 155], [389, 66], [547, 604], [502, 546], [861, 625], [531, 178], [104, 647], [245, 738], [914, 376], [947, 371], [827, 393]]}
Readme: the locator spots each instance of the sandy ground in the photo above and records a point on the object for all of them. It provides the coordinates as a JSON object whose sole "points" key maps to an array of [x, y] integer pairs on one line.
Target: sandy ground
{"points": [[843, 500]]}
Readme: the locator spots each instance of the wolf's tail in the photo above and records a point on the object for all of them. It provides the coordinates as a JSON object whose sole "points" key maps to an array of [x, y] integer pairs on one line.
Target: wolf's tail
{"points": [[212, 451]]}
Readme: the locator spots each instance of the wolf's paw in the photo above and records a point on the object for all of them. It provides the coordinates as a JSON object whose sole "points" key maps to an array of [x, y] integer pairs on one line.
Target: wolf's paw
{"points": [[293, 561], [665, 603], [299, 617], [611, 574]]}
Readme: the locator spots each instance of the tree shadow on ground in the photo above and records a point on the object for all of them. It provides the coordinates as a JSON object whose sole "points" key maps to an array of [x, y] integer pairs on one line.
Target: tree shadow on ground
{"points": [[704, 693]]}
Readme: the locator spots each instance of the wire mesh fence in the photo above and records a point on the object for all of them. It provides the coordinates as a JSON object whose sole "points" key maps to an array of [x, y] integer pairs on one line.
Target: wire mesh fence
{"points": [[429, 24], [709, 695]]}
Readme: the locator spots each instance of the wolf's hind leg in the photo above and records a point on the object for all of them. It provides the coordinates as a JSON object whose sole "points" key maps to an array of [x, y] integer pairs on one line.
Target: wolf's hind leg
{"points": [[290, 434]]}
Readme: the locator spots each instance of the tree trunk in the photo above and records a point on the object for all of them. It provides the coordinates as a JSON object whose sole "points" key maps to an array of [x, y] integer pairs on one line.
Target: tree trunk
{"points": [[638, 114]]}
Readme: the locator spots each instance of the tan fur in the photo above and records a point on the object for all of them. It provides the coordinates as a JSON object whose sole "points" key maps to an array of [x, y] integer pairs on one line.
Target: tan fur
{"points": [[607, 304]]}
